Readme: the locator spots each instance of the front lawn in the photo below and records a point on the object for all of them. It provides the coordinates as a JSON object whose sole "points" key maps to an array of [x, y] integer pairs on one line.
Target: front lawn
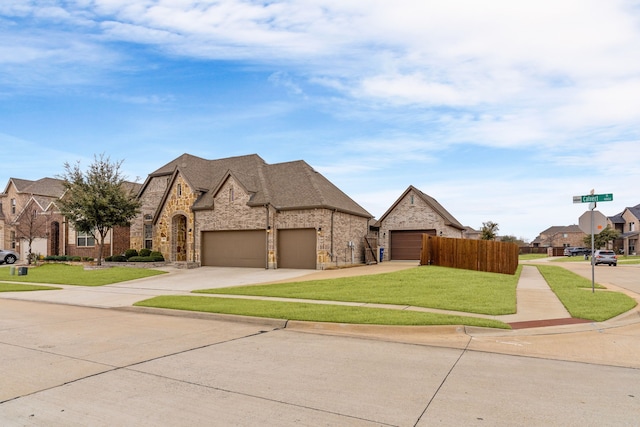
{"points": [[575, 293], [433, 287], [65, 274]]}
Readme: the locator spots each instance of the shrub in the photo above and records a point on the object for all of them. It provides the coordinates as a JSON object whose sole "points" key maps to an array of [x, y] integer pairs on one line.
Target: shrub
{"points": [[157, 256], [119, 258], [144, 252], [140, 259], [130, 253]]}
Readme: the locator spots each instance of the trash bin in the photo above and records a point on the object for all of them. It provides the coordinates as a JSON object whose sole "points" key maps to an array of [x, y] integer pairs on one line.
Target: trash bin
{"points": [[22, 271], [381, 254], [12, 270]]}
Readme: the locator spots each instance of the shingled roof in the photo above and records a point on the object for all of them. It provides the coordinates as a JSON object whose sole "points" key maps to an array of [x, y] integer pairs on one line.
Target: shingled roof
{"points": [[47, 187], [430, 201], [285, 186]]}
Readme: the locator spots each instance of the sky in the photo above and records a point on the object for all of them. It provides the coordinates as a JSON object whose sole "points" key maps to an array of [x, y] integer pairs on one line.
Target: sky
{"points": [[501, 110]]}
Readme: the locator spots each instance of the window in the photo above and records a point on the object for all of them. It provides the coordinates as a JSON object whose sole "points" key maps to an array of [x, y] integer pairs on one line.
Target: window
{"points": [[148, 236], [85, 239], [412, 199], [231, 195], [179, 190], [13, 206], [632, 226], [13, 239]]}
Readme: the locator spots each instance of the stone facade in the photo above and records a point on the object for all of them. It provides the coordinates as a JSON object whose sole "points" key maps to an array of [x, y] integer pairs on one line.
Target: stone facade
{"points": [[149, 202]]}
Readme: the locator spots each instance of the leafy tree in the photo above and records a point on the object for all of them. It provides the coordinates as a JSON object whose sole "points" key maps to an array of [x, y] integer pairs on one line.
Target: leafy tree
{"points": [[489, 230], [520, 241], [97, 200], [601, 239]]}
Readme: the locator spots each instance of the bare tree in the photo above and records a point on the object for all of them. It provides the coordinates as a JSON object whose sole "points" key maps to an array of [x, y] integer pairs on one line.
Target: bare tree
{"points": [[31, 225]]}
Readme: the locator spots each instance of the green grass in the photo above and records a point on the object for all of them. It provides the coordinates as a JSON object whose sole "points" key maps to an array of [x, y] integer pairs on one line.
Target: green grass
{"points": [[575, 293], [631, 259], [314, 312], [19, 287], [65, 274], [528, 257], [432, 287]]}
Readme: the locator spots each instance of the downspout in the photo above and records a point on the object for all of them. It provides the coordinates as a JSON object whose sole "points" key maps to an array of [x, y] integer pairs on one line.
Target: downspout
{"points": [[333, 212], [266, 234], [193, 237]]}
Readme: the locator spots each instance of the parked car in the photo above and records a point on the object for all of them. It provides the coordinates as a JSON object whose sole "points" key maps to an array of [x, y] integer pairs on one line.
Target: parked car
{"points": [[605, 257], [8, 256], [574, 251]]}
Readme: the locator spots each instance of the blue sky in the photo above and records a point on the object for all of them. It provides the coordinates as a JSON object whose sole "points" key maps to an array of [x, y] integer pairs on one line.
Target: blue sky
{"points": [[500, 110]]}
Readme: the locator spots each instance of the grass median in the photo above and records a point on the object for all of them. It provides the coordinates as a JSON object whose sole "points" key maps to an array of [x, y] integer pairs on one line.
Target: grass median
{"points": [[575, 293], [430, 287], [19, 287], [65, 274], [314, 312]]}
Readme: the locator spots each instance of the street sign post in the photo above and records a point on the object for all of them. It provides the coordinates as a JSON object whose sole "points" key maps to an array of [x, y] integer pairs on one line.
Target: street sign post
{"points": [[593, 200]]}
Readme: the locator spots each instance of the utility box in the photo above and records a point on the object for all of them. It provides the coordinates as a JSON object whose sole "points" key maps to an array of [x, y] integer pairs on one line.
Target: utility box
{"points": [[22, 271], [12, 270]]}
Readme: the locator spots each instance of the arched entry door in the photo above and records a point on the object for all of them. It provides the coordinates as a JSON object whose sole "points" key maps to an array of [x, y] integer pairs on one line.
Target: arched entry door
{"points": [[179, 231], [54, 238]]}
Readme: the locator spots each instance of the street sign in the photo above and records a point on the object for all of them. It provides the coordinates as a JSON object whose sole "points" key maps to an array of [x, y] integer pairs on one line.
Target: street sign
{"points": [[599, 222], [591, 198]]}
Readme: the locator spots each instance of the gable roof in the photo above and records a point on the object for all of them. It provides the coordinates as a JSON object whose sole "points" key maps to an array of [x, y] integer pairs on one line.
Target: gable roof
{"points": [[431, 202], [285, 186], [48, 187]]}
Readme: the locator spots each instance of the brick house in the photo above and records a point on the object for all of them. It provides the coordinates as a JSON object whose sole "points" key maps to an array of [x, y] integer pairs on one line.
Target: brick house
{"points": [[26, 201], [243, 212], [560, 236], [415, 213], [627, 223]]}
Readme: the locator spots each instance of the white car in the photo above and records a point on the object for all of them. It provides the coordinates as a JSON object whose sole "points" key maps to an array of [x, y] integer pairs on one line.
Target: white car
{"points": [[605, 257], [8, 256]]}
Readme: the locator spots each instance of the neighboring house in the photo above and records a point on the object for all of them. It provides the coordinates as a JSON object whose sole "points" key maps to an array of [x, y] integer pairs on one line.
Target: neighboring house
{"points": [[561, 236], [243, 212], [24, 201], [471, 233], [627, 223], [415, 213]]}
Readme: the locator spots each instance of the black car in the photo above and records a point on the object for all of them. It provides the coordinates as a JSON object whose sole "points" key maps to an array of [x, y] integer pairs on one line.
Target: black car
{"points": [[575, 251]]}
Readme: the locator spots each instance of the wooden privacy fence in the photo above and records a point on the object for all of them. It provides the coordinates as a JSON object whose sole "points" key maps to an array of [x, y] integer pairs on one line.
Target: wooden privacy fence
{"points": [[480, 255]]}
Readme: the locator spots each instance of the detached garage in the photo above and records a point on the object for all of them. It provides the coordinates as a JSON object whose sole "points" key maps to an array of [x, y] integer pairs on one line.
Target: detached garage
{"points": [[415, 213], [407, 244], [236, 248]]}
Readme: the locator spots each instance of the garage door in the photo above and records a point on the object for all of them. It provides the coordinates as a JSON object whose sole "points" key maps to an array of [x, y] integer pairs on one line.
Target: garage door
{"points": [[407, 244], [246, 248], [297, 248]]}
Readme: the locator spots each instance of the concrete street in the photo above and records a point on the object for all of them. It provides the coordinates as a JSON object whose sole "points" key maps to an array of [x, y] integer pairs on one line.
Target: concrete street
{"points": [[71, 364]]}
